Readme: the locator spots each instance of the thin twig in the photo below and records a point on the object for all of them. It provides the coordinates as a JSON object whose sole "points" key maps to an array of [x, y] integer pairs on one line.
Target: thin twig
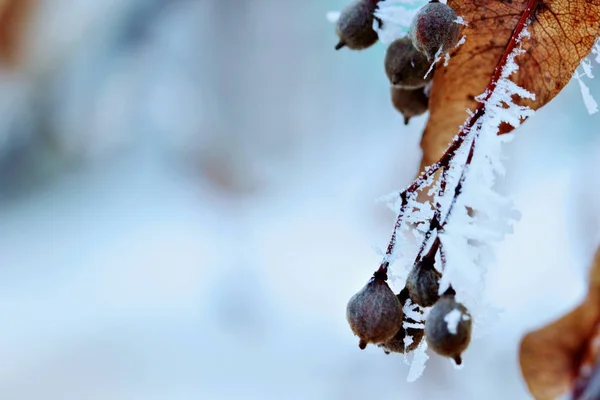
{"points": [[444, 162]]}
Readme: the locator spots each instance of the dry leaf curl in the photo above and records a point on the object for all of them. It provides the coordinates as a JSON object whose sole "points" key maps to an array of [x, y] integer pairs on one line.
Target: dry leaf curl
{"points": [[551, 357]]}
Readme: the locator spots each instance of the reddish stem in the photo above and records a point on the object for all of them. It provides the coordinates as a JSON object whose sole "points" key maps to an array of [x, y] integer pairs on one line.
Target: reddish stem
{"points": [[442, 257], [459, 140]]}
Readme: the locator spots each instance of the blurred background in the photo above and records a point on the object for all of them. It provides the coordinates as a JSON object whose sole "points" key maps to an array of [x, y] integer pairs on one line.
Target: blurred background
{"points": [[187, 201]]}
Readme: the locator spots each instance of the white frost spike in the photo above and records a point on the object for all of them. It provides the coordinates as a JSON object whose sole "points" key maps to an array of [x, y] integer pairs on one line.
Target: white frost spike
{"points": [[436, 59], [407, 325], [462, 41], [417, 366], [596, 50], [392, 201], [588, 99], [333, 16], [590, 104], [586, 65], [408, 340], [460, 20]]}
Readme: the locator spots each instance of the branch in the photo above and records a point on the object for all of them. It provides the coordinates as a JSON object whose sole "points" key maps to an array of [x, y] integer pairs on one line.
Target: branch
{"points": [[466, 132]]}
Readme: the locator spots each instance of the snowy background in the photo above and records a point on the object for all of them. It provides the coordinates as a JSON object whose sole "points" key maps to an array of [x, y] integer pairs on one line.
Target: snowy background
{"points": [[188, 202]]}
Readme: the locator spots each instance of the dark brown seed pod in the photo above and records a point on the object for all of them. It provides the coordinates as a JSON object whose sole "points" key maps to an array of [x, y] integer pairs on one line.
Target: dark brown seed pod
{"points": [[423, 282], [355, 25], [396, 344], [405, 66], [409, 102], [434, 27], [374, 313], [448, 328]]}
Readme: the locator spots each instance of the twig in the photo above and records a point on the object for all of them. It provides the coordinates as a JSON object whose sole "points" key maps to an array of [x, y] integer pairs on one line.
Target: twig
{"points": [[459, 140]]}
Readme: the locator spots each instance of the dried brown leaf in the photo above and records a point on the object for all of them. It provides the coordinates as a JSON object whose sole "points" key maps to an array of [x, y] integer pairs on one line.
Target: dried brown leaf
{"points": [[562, 33], [551, 357], [13, 18]]}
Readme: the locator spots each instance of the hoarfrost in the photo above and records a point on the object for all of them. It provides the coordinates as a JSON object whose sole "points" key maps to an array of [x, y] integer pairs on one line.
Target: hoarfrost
{"points": [[411, 311], [480, 215], [596, 51], [408, 340], [588, 99], [452, 319], [417, 366], [586, 66], [462, 41], [407, 325], [472, 223], [436, 59], [461, 21]]}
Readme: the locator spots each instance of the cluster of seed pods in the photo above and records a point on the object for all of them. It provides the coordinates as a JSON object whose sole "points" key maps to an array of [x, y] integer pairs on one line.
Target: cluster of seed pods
{"points": [[376, 315], [434, 31]]}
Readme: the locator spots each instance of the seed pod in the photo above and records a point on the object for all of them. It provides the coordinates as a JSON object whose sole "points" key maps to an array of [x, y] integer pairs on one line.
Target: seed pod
{"points": [[448, 328], [396, 344], [434, 27], [405, 66], [355, 25], [423, 283], [409, 102], [374, 313]]}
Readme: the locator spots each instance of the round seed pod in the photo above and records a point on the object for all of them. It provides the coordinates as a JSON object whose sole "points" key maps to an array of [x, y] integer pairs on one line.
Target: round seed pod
{"points": [[409, 102], [374, 313], [355, 25], [396, 344], [434, 27], [405, 66], [423, 283], [448, 328]]}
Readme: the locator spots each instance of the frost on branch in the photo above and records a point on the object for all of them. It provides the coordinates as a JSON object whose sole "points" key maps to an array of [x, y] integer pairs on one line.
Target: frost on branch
{"points": [[465, 215], [456, 229], [480, 216]]}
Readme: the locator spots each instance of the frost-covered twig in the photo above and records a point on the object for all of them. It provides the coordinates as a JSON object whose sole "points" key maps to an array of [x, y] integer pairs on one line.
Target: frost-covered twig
{"points": [[468, 133], [465, 217]]}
